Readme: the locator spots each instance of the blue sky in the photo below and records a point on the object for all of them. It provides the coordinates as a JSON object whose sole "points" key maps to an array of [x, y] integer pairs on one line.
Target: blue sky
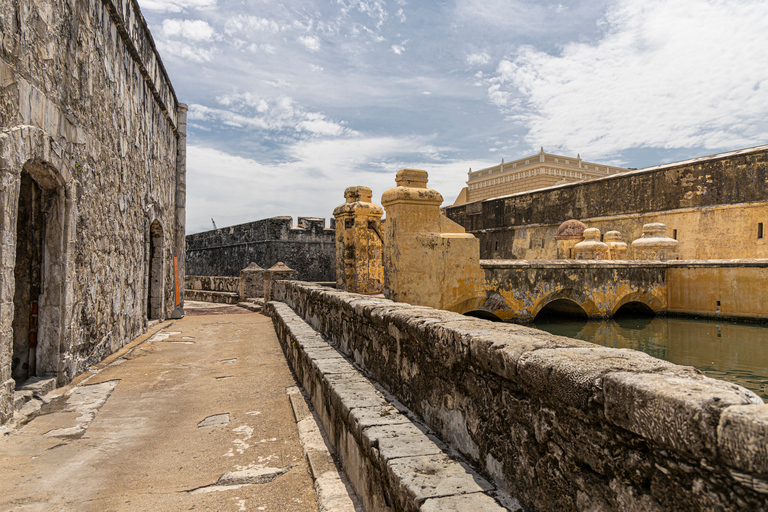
{"points": [[291, 102]]}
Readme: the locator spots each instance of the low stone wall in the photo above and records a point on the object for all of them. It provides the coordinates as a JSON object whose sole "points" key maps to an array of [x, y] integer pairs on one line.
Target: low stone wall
{"points": [[556, 422], [217, 289], [391, 463]]}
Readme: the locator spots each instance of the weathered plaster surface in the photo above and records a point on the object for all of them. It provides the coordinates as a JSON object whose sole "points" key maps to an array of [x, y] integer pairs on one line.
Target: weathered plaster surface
{"points": [[559, 423]]}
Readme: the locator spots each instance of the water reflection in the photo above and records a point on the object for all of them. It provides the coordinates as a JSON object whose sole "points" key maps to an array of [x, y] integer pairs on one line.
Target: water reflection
{"points": [[723, 350]]}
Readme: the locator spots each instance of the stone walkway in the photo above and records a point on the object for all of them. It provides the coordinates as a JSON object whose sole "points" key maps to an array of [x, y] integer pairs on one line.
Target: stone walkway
{"points": [[195, 418]]}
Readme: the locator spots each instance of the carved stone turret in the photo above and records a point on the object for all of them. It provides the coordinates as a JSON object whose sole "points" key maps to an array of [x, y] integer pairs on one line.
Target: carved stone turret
{"points": [[655, 244], [591, 248], [359, 243]]}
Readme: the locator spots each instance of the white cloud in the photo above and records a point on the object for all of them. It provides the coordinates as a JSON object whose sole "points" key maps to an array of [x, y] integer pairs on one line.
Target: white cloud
{"points": [[400, 15], [318, 170], [249, 111], [666, 74], [194, 30], [175, 5], [315, 68], [478, 59], [398, 49], [312, 43], [185, 51], [248, 24]]}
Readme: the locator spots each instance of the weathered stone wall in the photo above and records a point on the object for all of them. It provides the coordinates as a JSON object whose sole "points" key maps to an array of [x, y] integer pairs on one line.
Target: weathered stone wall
{"points": [[559, 423], [518, 290], [308, 248], [713, 205], [87, 110]]}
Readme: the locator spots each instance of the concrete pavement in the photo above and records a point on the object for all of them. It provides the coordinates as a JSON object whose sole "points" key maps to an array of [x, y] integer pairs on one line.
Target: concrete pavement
{"points": [[195, 418]]}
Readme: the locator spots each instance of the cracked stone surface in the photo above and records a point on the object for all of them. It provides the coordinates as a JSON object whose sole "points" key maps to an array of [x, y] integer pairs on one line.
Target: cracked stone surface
{"points": [[136, 445]]}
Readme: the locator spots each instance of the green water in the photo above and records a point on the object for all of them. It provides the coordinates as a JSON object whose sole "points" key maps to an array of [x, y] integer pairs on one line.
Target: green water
{"points": [[723, 350]]}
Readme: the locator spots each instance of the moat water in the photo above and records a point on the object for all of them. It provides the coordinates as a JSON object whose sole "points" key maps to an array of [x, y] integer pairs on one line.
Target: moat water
{"points": [[736, 352]]}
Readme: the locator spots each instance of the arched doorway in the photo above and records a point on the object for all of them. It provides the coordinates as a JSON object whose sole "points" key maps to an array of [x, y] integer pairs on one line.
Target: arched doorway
{"points": [[562, 308], [39, 272], [155, 272]]}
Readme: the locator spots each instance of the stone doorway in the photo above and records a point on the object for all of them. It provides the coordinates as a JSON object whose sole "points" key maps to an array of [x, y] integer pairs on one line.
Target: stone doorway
{"points": [[38, 273], [27, 274], [156, 272]]}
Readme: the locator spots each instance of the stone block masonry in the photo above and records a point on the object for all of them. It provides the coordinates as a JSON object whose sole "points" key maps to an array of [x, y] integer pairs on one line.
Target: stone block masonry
{"points": [[558, 423], [392, 463], [92, 162], [309, 248]]}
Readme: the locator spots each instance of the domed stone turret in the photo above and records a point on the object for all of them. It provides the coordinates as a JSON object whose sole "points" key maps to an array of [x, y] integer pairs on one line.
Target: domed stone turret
{"points": [[617, 248], [569, 234], [655, 244]]}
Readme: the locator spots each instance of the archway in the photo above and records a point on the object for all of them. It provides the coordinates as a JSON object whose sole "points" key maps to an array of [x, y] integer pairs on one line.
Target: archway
{"points": [[561, 307], [483, 314], [634, 308], [155, 272], [39, 272]]}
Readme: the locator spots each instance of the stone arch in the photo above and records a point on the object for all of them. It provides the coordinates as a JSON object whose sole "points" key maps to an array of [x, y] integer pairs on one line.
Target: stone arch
{"points": [[589, 307], [483, 314], [155, 274], [34, 173], [654, 303]]}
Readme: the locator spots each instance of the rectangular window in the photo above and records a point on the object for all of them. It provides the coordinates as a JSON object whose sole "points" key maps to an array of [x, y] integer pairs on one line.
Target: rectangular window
{"points": [[759, 230], [674, 234]]}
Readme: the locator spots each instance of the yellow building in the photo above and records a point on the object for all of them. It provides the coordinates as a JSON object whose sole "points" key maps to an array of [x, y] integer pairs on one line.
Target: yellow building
{"points": [[530, 173]]}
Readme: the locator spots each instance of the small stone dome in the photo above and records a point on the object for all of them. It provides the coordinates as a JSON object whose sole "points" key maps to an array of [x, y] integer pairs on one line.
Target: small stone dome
{"points": [[570, 229]]}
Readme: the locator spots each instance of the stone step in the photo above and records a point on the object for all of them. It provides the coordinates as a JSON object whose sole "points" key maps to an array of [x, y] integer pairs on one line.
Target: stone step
{"points": [[31, 388]]}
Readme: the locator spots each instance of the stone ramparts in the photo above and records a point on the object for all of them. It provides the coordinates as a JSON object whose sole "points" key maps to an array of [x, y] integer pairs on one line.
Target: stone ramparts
{"points": [[213, 289], [556, 422], [309, 248]]}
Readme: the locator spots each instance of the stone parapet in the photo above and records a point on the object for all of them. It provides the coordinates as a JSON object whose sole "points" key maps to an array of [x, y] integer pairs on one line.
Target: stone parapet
{"points": [[392, 463], [556, 422]]}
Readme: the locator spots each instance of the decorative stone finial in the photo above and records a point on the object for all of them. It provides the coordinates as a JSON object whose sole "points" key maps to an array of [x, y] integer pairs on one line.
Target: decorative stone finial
{"points": [[568, 235], [655, 244], [358, 193], [413, 178], [617, 248], [591, 248]]}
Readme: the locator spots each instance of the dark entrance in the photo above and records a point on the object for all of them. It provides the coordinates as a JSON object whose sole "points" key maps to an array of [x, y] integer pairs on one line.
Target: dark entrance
{"points": [[28, 278]]}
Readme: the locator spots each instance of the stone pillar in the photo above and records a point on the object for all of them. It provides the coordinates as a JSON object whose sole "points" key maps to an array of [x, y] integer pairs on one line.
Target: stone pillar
{"points": [[591, 248], [568, 235], [654, 244], [275, 273], [428, 259], [359, 266], [181, 195], [251, 282], [617, 248]]}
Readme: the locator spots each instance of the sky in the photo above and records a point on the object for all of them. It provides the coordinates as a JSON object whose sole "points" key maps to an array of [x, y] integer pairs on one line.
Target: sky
{"points": [[291, 102]]}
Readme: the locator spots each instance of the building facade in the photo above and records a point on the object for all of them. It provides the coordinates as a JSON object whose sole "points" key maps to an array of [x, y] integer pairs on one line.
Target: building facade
{"points": [[92, 166], [530, 173]]}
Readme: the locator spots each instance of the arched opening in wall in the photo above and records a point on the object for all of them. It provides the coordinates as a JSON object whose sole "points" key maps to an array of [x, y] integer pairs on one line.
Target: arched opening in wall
{"points": [[483, 314], [634, 309], [155, 272], [561, 308], [39, 273]]}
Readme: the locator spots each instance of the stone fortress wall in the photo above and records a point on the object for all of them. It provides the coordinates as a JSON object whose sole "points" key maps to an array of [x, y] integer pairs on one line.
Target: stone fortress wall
{"points": [[558, 423], [308, 248], [716, 207], [92, 163]]}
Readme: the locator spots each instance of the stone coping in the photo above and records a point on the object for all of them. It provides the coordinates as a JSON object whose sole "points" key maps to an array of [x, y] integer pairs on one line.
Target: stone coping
{"points": [[626, 429], [622, 263], [391, 462]]}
